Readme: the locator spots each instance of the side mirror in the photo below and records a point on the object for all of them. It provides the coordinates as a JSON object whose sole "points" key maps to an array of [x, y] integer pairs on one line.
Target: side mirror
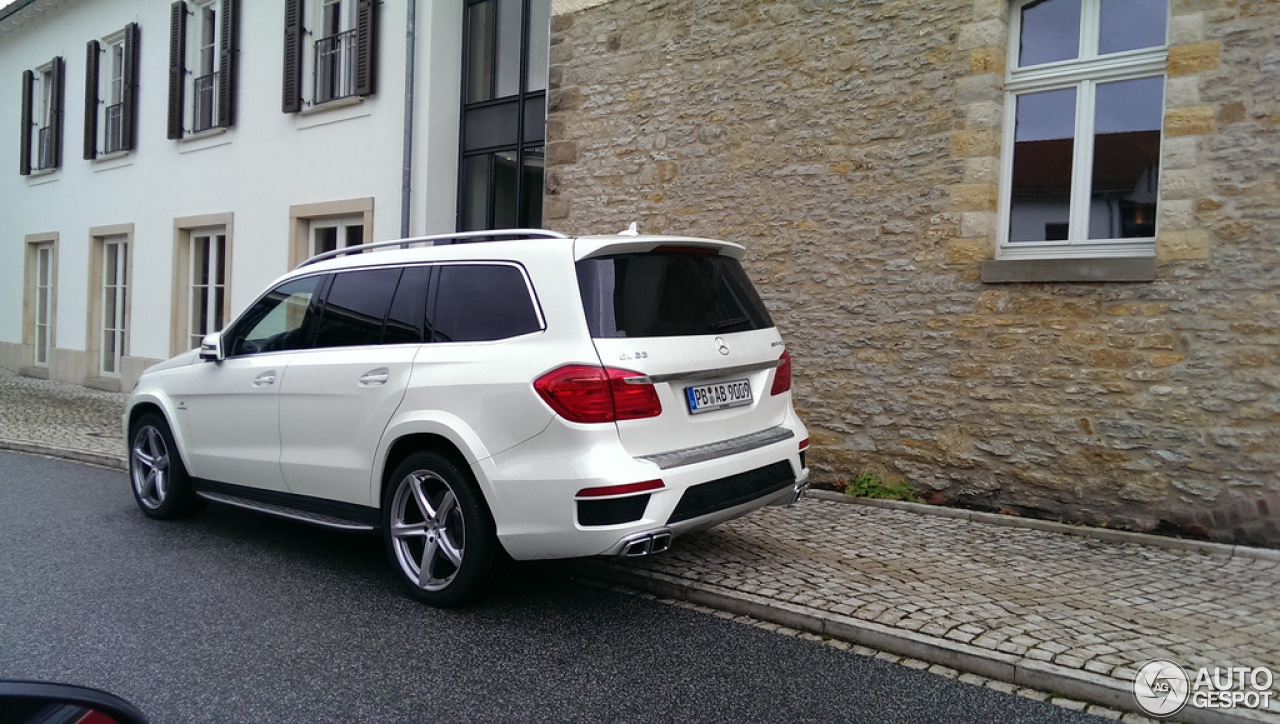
{"points": [[28, 702], [211, 348]]}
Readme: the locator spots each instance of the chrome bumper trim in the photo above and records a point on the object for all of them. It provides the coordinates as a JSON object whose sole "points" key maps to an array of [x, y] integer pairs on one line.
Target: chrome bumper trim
{"points": [[724, 448]]}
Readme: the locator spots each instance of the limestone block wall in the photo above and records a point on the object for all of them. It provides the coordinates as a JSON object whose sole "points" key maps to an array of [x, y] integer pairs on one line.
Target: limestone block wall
{"points": [[853, 146]]}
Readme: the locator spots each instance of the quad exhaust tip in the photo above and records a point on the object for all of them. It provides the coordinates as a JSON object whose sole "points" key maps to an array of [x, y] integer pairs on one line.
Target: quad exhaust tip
{"points": [[646, 544]]}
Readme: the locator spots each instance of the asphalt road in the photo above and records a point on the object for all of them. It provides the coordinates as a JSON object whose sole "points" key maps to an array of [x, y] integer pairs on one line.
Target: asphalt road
{"points": [[234, 617]]}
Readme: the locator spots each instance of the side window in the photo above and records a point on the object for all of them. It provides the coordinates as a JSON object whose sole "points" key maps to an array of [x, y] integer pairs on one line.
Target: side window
{"points": [[404, 320], [480, 302], [281, 320], [355, 307]]}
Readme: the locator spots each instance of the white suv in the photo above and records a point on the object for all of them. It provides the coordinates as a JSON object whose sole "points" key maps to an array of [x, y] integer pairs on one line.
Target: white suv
{"points": [[552, 396]]}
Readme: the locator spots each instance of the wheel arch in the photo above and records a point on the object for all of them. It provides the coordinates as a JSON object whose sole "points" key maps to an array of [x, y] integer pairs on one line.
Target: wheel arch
{"points": [[159, 408], [407, 444]]}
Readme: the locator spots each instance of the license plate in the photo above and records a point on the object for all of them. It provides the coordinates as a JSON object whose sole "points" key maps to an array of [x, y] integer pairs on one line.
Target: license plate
{"points": [[706, 398]]}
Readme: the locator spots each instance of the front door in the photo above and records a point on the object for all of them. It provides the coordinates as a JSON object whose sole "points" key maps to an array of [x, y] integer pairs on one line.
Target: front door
{"points": [[229, 411]]}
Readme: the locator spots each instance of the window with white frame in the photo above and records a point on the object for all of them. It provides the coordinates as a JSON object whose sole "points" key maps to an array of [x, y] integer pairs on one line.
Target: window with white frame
{"points": [[202, 65], [111, 86], [115, 259], [329, 234], [1084, 110], [44, 300], [207, 284], [41, 138], [330, 51]]}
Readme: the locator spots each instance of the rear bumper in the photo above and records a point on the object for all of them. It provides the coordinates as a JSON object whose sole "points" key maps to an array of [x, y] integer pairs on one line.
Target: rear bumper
{"points": [[659, 539], [532, 490]]}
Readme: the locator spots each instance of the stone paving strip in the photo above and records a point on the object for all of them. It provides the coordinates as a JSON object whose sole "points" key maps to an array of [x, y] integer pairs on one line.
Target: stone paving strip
{"points": [[1026, 607], [1062, 613]]}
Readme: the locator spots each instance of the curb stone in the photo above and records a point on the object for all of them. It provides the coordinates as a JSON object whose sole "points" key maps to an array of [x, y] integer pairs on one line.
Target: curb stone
{"points": [[117, 462]]}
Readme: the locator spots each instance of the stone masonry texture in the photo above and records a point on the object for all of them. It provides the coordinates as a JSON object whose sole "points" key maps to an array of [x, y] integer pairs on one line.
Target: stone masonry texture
{"points": [[853, 147]]}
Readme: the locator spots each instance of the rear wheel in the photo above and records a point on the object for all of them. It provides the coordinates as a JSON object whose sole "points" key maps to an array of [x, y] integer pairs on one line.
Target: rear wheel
{"points": [[160, 481], [437, 530]]}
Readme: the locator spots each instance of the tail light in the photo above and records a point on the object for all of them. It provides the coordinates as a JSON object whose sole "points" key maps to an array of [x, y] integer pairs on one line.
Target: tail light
{"points": [[782, 376], [583, 393]]}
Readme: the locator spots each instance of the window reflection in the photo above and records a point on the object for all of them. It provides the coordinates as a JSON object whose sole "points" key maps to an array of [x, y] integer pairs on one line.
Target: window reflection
{"points": [[1132, 24], [1044, 143], [1050, 32], [1126, 159]]}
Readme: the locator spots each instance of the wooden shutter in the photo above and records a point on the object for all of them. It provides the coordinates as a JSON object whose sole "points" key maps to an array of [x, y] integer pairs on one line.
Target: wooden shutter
{"points": [[129, 94], [366, 47], [92, 54], [227, 64], [293, 36], [24, 154], [177, 66], [55, 129]]}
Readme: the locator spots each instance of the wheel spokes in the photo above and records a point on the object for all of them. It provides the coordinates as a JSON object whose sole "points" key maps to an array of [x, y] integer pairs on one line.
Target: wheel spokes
{"points": [[151, 458], [427, 515]]}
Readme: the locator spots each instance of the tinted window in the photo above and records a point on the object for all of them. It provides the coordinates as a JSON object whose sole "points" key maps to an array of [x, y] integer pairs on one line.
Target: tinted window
{"points": [[479, 302], [668, 294], [355, 307], [282, 319], [404, 320]]}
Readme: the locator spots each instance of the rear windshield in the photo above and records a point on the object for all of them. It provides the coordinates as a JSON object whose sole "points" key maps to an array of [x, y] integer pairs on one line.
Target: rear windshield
{"points": [[668, 294]]}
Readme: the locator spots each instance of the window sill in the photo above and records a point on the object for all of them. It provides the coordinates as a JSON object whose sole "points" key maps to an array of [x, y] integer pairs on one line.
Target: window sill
{"points": [[330, 105], [43, 176], [108, 161], [343, 109], [207, 133], [212, 138], [1101, 269]]}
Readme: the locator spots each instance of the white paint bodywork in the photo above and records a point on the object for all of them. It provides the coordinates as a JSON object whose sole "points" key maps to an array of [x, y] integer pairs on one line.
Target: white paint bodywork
{"points": [[528, 462]]}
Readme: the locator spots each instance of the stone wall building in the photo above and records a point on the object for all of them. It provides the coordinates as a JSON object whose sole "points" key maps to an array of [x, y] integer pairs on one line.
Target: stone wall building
{"points": [[864, 152]]}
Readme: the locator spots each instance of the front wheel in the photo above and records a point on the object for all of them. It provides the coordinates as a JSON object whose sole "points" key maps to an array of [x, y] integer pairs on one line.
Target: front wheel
{"points": [[160, 481], [437, 530]]}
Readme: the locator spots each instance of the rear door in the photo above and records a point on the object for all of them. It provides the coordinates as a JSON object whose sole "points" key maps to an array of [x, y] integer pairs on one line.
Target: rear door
{"points": [[685, 315], [338, 396]]}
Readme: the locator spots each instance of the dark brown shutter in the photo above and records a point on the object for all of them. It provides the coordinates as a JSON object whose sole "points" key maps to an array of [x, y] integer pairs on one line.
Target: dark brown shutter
{"points": [[55, 130], [227, 64], [91, 100], [129, 94], [24, 154], [293, 35], [366, 80], [177, 66]]}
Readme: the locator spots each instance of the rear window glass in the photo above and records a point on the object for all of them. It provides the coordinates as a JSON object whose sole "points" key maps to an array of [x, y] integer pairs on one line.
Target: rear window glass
{"points": [[668, 294], [480, 303]]}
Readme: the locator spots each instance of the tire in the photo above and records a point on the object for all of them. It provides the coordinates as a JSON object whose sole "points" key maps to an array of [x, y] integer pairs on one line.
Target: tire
{"points": [[437, 529], [159, 479]]}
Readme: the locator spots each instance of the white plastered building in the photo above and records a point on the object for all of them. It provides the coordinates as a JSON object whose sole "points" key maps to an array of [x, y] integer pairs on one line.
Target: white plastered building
{"points": [[162, 162]]}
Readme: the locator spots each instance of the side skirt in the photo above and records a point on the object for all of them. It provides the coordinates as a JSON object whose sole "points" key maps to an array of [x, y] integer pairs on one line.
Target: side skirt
{"points": [[316, 511]]}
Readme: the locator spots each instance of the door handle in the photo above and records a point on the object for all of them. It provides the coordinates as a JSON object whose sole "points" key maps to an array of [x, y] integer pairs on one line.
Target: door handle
{"points": [[264, 379], [375, 377]]}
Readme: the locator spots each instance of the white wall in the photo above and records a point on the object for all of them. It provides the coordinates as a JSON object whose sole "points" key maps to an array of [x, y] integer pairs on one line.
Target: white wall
{"points": [[256, 170]]}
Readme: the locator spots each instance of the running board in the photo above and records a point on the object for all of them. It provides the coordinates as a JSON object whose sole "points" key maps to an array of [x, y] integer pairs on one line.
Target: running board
{"points": [[280, 511]]}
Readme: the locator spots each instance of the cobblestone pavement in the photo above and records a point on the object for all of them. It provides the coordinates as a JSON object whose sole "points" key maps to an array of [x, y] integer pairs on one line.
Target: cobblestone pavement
{"points": [[57, 418], [1016, 608]]}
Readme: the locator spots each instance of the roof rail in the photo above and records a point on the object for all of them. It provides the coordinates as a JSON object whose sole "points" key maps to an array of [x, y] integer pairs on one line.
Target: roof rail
{"points": [[460, 237]]}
